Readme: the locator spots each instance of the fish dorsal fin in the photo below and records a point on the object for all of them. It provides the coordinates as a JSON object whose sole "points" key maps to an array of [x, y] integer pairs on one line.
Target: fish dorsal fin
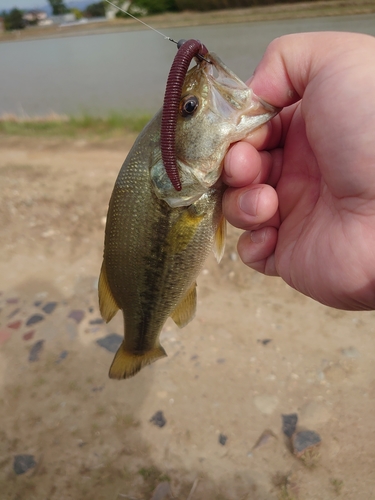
{"points": [[220, 239], [107, 303], [126, 364], [185, 309]]}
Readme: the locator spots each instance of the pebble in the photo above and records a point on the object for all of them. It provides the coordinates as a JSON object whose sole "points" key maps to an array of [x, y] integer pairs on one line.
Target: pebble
{"points": [[23, 463], [35, 318], [35, 350], [5, 335], [162, 491], [28, 335], [264, 341], [14, 312], [313, 413], [266, 404], [63, 355], [49, 307], [304, 441], [233, 256], [77, 315], [263, 439], [12, 300], [350, 352], [158, 419], [96, 321], [111, 342], [289, 424], [222, 439], [15, 325]]}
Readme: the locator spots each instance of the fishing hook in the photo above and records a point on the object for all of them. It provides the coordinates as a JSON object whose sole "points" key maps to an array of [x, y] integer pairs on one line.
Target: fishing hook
{"points": [[187, 50]]}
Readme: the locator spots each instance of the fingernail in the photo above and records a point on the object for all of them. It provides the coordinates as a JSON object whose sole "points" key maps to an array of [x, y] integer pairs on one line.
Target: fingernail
{"points": [[248, 201], [258, 236]]}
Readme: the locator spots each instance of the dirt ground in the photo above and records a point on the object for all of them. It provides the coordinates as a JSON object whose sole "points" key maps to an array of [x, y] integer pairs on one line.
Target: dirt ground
{"points": [[256, 350]]}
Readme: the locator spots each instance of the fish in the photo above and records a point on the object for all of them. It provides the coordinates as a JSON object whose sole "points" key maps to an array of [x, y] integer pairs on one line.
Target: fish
{"points": [[157, 238]]}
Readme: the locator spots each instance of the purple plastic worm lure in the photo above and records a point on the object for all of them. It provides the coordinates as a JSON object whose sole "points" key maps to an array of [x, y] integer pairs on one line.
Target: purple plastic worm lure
{"points": [[186, 51]]}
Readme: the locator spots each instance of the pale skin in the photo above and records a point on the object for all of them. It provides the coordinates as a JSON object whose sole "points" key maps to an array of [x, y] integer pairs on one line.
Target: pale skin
{"points": [[303, 187]]}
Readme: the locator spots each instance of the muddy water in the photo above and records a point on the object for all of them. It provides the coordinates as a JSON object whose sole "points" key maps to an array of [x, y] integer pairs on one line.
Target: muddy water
{"points": [[127, 71]]}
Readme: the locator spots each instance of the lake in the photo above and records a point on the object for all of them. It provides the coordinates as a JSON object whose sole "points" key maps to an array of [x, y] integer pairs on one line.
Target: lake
{"points": [[127, 71]]}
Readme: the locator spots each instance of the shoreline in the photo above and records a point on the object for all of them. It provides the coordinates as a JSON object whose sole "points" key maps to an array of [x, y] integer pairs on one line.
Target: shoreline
{"points": [[323, 8]]}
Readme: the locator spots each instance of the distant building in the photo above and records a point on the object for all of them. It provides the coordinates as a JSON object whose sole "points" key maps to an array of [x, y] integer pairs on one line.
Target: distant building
{"points": [[63, 18], [34, 16]]}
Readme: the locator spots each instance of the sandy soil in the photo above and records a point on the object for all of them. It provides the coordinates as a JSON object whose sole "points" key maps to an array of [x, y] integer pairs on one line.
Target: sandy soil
{"points": [[91, 437]]}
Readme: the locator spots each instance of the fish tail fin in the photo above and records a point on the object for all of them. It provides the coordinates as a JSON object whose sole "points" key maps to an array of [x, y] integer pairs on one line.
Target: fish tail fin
{"points": [[126, 364]]}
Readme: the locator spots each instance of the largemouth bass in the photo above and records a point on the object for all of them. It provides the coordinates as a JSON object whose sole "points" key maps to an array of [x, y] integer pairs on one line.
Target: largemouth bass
{"points": [[157, 238]]}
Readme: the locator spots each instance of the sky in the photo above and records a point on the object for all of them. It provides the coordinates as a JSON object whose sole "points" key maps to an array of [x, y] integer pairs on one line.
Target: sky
{"points": [[22, 4]]}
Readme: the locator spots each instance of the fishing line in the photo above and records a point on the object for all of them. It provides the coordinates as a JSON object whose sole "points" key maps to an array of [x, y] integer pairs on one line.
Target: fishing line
{"points": [[142, 22]]}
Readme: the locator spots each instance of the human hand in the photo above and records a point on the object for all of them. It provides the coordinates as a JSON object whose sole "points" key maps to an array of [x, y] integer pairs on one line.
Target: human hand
{"points": [[303, 187]]}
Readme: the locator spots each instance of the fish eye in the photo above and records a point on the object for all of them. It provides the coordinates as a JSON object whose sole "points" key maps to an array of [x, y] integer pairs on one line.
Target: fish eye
{"points": [[189, 105]]}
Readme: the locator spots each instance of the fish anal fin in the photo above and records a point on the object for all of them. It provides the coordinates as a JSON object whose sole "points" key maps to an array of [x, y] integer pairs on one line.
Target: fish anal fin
{"points": [[107, 304], [185, 309], [220, 239], [126, 364]]}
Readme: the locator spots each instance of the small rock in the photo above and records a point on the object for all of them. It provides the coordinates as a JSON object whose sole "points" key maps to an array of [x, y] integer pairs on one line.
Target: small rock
{"points": [[312, 413], [305, 442], [15, 325], [28, 335], [35, 350], [233, 256], [35, 318], [350, 352], [14, 312], [222, 439], [23, 463], [220, 361], [289, 424], [263, 439], [97, 388], [77, 315], [13, 300], [266, 404], [111, 342], [96, 321], [264, 341], [162, 491], [49, 307], [5, 335], [158, 419], [63, 355]]}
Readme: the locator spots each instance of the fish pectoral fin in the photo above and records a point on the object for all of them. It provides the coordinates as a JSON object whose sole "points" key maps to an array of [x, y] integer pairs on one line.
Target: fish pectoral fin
{"points": [[126, 364], [220, 239], [107, 304], [183, 231], [185, 309]]}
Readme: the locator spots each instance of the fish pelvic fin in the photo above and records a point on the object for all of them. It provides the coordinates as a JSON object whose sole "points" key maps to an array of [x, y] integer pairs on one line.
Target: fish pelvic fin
{"points": [[126, 364], [107, 304], [220, 239], [185, 309]]}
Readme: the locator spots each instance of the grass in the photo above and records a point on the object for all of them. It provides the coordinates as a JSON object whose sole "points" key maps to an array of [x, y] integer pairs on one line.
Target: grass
{"points": [[72, 126]]}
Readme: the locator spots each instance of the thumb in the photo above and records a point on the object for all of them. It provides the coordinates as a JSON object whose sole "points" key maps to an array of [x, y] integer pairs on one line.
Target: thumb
{"points": [[291, 62]]}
